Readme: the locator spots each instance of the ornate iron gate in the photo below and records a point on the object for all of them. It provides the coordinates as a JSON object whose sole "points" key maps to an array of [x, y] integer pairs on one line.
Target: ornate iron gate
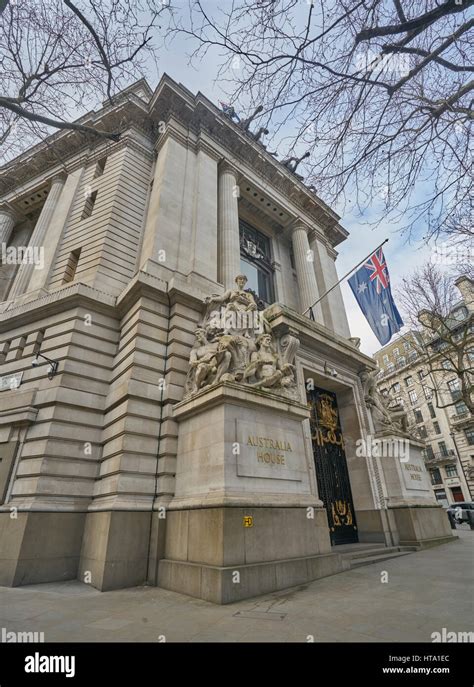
{"points": [[331, 466]]}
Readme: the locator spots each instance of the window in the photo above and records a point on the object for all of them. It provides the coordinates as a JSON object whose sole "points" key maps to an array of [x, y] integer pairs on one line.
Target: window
{"points": [[436, 476], [385, 359], [422, 431], [412, 356], [421, 374], [447, 364], [409, 381], [401, 362], [71, 266], [407, 345], [256, 262], [470, 354], [396, 352], [399, 400], [436, 427], [451, 471], [384, 392], [443, 448], [428, 452], [461, 408], [390, 367], [460, 314], [418, 415], [395, 388], [432, 410], [454, 387], [413, 397], [428, 392], [469, 436], [89, 205], [100, 166]]}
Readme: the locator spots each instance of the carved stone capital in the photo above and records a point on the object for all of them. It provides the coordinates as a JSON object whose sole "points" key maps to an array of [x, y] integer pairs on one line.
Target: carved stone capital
{"points": [[226, 167]]}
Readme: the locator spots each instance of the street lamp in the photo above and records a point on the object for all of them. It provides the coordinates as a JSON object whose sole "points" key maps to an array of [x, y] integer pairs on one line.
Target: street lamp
{"points": [[53, 364]]}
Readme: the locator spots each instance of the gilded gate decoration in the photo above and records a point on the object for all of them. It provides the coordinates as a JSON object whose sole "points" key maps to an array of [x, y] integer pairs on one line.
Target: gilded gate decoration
{"points": [[331, 466]]}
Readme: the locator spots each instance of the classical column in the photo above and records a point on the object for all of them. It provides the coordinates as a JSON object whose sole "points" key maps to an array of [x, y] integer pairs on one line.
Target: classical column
{"points": [[228, 225], [319, 251], [7, 222], [20, 285], [304, 259]]}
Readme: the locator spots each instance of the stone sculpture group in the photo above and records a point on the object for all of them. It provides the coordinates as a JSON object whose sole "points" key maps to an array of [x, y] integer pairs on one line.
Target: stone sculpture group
{"points": [[235, 343]]}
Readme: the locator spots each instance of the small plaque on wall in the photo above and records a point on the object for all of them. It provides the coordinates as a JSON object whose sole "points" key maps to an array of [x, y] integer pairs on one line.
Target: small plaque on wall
{"points": [[11, 381]]}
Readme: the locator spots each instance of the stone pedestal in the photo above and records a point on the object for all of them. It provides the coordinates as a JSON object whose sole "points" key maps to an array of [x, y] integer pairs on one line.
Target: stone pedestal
{"points": [[418, 519], [244, 520]]}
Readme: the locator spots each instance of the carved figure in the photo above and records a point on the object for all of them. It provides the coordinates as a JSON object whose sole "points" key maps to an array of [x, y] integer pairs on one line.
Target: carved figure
{"points": [[235, 343], [245, 123], [384, 418], [292, 163]]}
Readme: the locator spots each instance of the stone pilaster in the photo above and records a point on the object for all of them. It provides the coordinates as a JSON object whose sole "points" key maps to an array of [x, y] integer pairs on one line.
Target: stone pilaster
{"points": [[229, 242], [7, 222], [38, 237], [304, 261]]}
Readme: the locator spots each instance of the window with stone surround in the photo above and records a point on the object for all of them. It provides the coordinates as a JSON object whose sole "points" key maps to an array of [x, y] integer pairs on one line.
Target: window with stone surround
{"points": [[451, 471], [256, 262], [443, 449], [99, 168], [418, 415], [89, 205], [71, 266]]}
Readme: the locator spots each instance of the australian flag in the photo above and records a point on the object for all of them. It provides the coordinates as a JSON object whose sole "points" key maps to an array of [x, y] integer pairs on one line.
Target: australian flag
{"points": [[371, 287]]}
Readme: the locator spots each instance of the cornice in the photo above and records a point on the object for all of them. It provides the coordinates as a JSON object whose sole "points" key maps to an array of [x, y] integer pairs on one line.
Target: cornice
{"points": [[52, 303], [193, 120]]}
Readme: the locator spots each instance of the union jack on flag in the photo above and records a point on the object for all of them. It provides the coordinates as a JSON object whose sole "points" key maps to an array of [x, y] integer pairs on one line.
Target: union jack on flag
{"points": [[378, 267], [371, 287]]}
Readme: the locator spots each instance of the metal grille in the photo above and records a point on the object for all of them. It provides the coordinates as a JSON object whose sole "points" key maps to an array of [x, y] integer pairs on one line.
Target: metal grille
{"points": [[331, 466]]}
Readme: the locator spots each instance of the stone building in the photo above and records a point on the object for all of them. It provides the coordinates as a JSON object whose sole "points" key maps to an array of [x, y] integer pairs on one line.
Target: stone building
{"points": [[108, 473], [432, 397]]}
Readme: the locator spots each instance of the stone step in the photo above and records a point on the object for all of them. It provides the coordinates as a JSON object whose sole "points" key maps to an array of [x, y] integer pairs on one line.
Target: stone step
{"points": [[359, 562], [367, 553]]}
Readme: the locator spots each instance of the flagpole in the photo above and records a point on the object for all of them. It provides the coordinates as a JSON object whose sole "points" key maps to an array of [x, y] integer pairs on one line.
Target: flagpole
{"points": [[344, 277]]}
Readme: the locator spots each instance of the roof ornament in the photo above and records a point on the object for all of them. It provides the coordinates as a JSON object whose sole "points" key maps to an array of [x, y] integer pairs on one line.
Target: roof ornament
{"points": [[291, 163]]}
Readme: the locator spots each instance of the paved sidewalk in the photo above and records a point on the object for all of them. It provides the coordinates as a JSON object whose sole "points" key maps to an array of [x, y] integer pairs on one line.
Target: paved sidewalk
{"points": [[425, 592]]}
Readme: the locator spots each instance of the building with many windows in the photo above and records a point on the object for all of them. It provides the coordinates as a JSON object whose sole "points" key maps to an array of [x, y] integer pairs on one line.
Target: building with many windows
{"points": [[430, 394]]}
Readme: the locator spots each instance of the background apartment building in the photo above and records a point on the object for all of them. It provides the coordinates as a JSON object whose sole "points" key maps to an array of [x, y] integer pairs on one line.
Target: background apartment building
{"points": [[433, 400]]}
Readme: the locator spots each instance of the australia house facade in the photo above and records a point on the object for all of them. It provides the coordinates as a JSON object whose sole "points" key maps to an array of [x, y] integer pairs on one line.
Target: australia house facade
{"points": [[143, 441]]}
